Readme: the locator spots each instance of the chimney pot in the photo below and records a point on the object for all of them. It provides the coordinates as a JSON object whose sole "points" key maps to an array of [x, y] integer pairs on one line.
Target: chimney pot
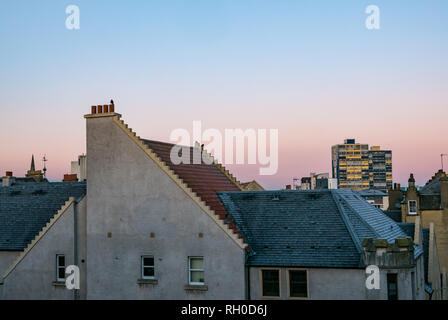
{"points": [[93, 109], [106, 108], [70, 178], [100, 109], [9, 173], [111, 108], [399, 186], [288, 187]]}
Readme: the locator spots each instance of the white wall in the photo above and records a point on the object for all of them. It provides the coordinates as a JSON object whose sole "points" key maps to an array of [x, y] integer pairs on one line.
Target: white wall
{"points": [[130, 197]]}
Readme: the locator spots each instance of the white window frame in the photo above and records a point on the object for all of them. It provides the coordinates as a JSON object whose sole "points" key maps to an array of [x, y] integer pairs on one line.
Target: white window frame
{"points": [[190, 270], [413, 213], [143, 266], [59, 267]]}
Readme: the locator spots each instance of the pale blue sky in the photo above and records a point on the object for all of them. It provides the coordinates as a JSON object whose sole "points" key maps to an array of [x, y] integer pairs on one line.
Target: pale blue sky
{"points": [[309, 68]]}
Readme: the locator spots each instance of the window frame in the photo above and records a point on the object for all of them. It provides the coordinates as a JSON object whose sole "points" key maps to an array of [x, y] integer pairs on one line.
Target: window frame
{"points": [[279, 283], [289, 285], [395, 276], [413, 213], [58, 279], [143, 266], [193, 283]]}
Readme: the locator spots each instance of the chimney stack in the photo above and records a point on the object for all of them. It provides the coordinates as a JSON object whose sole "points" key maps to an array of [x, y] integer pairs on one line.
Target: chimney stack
{"points": [[411, 181], [99, 109], [8, 180], [70, 178]]}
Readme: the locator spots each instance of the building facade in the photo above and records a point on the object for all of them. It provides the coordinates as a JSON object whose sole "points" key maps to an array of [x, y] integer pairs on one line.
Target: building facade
{"points": [[380, 169], [358, 168]]}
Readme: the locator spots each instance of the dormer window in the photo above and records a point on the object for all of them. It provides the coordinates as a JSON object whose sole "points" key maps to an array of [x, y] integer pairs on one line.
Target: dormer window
{"points": [[412, 207]]}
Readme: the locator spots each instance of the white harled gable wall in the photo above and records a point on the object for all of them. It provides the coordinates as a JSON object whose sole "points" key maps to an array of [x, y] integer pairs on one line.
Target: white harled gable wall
{"points": [[129, 197]]}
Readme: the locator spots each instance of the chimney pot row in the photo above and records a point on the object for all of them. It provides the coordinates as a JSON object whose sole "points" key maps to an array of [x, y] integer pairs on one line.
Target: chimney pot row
{"points": [[9, 173], [107, 108]]}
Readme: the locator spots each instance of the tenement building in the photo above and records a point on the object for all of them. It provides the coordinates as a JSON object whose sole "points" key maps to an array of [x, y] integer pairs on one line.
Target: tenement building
{"points": [[358, 168]]}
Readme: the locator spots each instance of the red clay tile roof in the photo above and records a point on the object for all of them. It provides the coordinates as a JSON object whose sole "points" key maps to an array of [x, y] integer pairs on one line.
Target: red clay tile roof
{"points": [[204, 179]]}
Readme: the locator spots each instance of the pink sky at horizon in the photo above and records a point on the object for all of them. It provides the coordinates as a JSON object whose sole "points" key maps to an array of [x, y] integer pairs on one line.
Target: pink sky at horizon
{"points": [[300, 151], [309, 69]]}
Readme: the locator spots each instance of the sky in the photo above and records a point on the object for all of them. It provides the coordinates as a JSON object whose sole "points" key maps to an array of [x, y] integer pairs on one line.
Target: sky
{"points": [[310, 69]]}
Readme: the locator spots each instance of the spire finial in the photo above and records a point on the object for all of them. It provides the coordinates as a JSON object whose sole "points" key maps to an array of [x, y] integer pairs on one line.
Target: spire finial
{"points": [[33, 168]]}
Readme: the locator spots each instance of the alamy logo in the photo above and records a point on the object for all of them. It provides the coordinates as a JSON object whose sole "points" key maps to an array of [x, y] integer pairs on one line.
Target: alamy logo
{"points": [[373, 20], [373, 280], [72, 21], [259, 151], [72, 280]]}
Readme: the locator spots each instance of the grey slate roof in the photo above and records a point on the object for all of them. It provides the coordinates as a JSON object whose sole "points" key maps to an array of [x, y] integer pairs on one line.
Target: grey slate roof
{"points": [[310, 228], [26, 208], [432, 187], [372, 193], [394, 215], [430, 202]]}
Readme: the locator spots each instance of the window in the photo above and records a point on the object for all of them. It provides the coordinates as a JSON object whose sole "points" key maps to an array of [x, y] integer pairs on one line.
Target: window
{"points": [[270, 283], [412, 205], [60, 267], [196, 270], [147, 267], [392, 286], [298, 283]]}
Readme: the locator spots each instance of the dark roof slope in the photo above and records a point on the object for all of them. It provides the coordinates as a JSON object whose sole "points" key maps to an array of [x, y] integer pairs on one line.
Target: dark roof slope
{"points": [[25, 209], [312, 228], [432, 187], [394, 215]]}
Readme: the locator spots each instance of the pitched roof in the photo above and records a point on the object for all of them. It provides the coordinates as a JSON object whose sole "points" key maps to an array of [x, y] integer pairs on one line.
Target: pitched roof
{"points": [[432, 187], [372, 193], [394, 215], [204, 179], [309, 228], [25, 209]]}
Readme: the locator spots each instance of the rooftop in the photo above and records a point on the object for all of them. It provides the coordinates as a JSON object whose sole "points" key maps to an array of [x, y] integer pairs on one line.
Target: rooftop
{"points": [[310, 228], [26, 208]]}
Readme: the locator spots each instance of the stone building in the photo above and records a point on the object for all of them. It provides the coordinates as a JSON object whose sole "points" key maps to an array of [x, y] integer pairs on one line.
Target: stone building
{"points": [[430, 204]]}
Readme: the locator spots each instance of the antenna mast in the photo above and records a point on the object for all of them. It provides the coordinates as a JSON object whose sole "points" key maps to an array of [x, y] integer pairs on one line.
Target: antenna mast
{"points": [[441, 158], [45, 167]]}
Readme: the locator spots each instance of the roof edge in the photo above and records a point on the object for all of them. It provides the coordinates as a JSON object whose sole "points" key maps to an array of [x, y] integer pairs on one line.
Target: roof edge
{"points": [[347, 223]]}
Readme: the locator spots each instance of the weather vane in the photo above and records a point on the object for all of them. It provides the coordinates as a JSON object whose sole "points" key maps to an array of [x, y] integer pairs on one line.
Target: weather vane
{"points": [[45, 168]]}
